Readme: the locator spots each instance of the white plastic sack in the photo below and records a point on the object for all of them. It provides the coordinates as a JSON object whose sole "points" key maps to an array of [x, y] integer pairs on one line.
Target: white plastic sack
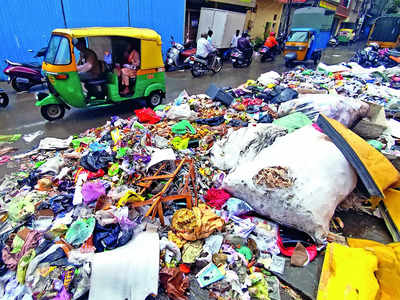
{"points": [[320, 176], [268, 78], [50, 143], [346, 110], [181, 112], [129, 272], [243, 144]]}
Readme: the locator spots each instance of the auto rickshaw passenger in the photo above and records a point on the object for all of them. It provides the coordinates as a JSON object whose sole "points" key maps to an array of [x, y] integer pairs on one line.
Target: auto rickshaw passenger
{"points": [[271, 42], [88, 64], [129, 70]]}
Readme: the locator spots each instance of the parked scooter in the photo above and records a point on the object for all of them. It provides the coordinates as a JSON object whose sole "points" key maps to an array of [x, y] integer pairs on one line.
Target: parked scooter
{"points": [[200, 66], [266, 53], [177, 54], [240, 59], [3, 98], [333, 42], [23, 76]]}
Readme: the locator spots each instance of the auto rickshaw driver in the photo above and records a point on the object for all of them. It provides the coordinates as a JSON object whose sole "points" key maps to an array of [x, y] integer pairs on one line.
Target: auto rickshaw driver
{"points": [[88, 65]]}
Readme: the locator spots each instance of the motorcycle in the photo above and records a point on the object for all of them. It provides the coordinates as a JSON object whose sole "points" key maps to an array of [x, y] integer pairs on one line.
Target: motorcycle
{"points": [[177, 55], [266, 53], [200, 66], [333, 42], [3, 98], [240, 59], [23, 76]]}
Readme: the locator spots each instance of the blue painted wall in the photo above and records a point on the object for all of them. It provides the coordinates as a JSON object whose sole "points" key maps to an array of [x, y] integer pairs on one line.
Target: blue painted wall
{"points": [[28, 24]]}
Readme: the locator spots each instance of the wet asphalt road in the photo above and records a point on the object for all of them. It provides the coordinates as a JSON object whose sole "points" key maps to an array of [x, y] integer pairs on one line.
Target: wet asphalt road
{"points": [[22, 116]]}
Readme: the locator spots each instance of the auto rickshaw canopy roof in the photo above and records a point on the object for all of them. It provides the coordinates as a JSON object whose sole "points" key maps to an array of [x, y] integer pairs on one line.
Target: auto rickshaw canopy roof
{"points": [[139, 33]]}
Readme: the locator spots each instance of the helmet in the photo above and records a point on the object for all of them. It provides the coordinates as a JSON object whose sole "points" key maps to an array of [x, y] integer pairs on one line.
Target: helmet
{"points": [[272, 33], [375, 46]]}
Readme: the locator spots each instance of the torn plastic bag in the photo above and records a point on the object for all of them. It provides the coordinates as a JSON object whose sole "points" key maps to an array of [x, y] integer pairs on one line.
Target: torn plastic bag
{"points": [[50, 143], [181, 112], [346, 110], [243, 144], [236, 207], [92, 190], [53, 166], [290, 198], [129, 272], [80, 231], [374, 170], [161, 155], [348, 273], [94, 161], [271, 77]]}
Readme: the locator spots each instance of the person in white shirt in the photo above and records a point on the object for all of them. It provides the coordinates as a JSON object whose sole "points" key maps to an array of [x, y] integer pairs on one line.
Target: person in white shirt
{"points": [[235, 39], [204, 48]]}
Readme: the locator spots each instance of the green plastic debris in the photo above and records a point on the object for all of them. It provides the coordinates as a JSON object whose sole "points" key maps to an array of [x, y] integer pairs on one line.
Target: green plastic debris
{"points": [[23, 265], [259, 286], [182, 127], [113, 170], [180, 143], [80, 231], [160, 107], [17, 244], [307, 72], [39, 163], [137, 125], [246, 252], [376, 144], [293, 121], [10, 138], [84, 140], [121, 152]]}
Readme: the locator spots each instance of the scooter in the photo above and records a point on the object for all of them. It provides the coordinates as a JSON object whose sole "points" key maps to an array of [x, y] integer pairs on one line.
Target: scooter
{"points": [[177, 54], [266, 54], [200, 66], [23, 76], [3, 98], [239, 59]]}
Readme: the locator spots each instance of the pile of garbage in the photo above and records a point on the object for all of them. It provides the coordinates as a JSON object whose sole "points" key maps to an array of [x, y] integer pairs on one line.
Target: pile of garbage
{"points": [[210, 192]]}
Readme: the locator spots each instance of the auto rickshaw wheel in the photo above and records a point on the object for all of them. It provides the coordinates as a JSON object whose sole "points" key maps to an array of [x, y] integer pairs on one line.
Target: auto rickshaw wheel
{"points": [[154, 99], [3, 100], [52, 112]]}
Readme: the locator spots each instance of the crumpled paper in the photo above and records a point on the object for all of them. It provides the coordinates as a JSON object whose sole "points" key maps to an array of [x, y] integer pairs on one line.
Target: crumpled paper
{"points": [[174, 282], [198, 223]]}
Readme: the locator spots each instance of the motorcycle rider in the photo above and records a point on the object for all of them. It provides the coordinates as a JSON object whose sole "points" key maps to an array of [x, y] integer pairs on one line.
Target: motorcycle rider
{"points": [[244, 45], [271, 42], [204, 49]]}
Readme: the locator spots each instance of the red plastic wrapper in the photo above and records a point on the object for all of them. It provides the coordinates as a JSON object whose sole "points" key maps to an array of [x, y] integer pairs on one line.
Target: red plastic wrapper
{"points": [[147, 115], [216, 198]]}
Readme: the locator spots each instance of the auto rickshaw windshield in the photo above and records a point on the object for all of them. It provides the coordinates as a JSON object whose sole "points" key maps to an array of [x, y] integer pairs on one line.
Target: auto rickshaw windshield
{"points": [[298, 36], [58, 52]]}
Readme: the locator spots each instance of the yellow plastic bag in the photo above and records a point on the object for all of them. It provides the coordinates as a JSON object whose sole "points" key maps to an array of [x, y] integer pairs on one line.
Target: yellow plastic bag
{"points": [[348, 274], [388, 273], [130, 196], [392, 203]]}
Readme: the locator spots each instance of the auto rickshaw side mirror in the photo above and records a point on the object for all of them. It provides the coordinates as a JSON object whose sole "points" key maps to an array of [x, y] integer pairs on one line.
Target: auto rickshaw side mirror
{"points": [[75, 42]]}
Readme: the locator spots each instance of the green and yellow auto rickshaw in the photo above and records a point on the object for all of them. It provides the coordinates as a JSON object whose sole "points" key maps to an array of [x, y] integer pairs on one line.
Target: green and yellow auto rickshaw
{"points": [[346, 36], [112, 46]]}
